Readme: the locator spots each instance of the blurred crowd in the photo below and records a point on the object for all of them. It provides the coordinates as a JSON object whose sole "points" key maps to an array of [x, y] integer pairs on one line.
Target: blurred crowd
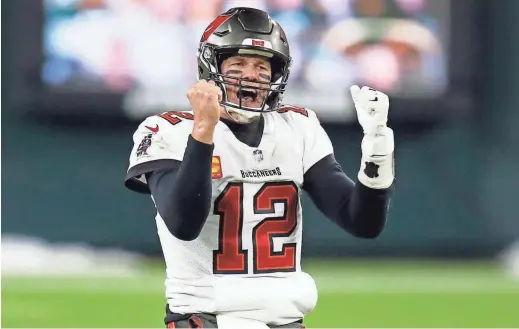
{"points": [[119, 45]]}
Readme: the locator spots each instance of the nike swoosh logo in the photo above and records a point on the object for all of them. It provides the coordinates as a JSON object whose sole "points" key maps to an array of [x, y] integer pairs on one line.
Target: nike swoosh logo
{"points": [[154, 130]]}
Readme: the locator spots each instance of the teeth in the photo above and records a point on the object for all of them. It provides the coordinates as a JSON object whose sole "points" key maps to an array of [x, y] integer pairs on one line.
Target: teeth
{"points": [[248, 91]]}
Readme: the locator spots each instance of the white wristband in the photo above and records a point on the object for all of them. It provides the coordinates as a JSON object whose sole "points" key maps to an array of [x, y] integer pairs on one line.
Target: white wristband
{"points": [[377, 168], [377, 173]]}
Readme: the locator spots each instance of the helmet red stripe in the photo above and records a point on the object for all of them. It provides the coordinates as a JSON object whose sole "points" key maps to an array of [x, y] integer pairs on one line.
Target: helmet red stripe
{"points": [[214, 26]]}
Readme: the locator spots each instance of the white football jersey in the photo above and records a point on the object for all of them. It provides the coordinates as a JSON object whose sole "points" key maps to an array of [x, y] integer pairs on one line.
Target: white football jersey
{"points": [[246, 261]]}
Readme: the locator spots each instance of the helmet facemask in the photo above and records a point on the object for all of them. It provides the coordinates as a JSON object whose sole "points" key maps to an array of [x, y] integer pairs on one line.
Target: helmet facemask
{"points": [[210, 59]]}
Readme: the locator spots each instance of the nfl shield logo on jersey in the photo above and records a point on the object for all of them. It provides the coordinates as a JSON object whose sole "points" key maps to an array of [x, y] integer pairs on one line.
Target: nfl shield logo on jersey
{"points": [[258, 155]]}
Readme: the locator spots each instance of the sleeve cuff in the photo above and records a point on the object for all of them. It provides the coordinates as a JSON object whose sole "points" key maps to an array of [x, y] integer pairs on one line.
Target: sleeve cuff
{"points": [[197, 149]]}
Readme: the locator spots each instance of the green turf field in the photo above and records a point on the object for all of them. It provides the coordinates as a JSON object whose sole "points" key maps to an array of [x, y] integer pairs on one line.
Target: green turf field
{"points": [[351, 294]]}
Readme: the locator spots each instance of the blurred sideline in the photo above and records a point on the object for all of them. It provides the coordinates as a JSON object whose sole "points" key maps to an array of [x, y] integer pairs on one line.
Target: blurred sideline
{"points": [[29, 256], [34, 257]]}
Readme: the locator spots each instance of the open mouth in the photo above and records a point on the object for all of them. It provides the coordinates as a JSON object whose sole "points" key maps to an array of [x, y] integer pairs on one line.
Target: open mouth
{"points": [[248, 94]]}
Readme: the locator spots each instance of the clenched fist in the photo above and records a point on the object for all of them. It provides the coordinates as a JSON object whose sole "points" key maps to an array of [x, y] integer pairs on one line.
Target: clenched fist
{"points": [[204, 97], [372, 108]]}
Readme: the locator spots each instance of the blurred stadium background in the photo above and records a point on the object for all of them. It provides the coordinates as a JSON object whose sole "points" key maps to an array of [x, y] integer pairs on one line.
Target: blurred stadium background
{"points": [[78, 250]]}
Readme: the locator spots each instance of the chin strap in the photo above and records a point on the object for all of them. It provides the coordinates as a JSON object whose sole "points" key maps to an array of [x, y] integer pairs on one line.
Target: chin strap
{"points": [[242, 116]]}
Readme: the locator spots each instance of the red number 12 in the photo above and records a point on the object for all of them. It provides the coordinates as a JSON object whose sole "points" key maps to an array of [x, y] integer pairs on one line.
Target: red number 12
{"points": [[231, 258]]}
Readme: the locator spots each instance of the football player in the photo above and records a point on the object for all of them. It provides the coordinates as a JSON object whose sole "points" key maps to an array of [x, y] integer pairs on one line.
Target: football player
{"points": [[226, 180]]}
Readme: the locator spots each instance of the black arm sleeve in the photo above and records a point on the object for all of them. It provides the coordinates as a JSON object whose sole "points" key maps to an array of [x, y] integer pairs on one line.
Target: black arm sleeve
{"points": [[360, 210], [182, 193]]}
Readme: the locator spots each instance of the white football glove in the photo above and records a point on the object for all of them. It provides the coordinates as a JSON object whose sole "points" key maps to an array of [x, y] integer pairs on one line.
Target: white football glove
{"points": [[377, 166]]}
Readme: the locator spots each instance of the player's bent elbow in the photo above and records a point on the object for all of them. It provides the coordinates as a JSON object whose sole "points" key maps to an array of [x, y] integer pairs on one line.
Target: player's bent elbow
{"points": [[363, 227], [178, 228], [186, 236], [368, 232], [183, 234]]}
